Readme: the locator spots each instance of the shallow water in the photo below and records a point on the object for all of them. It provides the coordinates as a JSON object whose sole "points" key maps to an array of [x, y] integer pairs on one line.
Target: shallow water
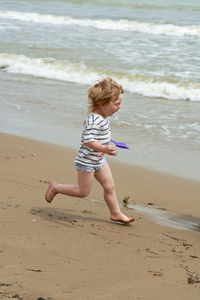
{"points": [[164, 217]]}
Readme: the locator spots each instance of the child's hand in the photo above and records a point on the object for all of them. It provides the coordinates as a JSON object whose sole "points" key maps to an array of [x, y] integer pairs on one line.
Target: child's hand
{"points": [[110, 150]]}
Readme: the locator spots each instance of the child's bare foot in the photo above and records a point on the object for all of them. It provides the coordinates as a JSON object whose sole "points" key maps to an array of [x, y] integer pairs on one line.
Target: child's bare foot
{"points": [[51, 192], [122, 219]]}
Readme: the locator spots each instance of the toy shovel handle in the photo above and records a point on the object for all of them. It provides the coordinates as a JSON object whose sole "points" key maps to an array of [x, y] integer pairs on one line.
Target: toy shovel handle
{"points": [[120, 145]]}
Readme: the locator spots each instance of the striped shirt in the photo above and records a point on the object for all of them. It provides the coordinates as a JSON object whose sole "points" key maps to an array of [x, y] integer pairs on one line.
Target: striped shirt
{"points": [[96, 128]]}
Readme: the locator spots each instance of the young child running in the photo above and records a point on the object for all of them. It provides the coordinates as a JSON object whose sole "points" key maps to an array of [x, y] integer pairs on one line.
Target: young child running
{"points": [[105, 98]]}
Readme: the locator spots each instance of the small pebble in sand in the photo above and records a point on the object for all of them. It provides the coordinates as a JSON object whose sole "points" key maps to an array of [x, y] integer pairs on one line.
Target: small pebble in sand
{"points": [[125, 200], [33, 154], [17, 296], [193, 279]]}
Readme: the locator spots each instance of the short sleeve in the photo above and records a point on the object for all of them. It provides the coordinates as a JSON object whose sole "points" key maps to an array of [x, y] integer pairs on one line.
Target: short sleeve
{"points": [[91, 129]]}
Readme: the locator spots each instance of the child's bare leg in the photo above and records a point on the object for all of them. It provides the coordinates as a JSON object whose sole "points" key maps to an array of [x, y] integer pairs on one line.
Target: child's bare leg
{"points": [[82, 189], [104, 176]]}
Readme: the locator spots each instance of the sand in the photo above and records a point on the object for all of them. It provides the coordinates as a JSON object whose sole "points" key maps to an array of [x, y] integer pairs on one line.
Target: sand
{"points": [[69, 249]]}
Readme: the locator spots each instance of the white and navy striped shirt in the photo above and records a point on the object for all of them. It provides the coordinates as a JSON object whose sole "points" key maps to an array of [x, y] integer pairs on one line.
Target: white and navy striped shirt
{"points": [[96, 128]]}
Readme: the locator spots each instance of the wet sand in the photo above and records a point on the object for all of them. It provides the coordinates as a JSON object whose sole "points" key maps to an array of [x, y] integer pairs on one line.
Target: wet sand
{"points": [[69, 249]]}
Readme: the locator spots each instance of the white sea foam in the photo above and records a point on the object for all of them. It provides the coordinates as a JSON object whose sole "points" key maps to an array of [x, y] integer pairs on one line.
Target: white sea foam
{"points": [[150, 87], [17, 106], [105, 24], [80, 73], [47, 68]]}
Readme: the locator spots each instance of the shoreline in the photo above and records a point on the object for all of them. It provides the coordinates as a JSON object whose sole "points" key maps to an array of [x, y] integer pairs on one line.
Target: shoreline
{"points": [[127, 157], [60, 250]]}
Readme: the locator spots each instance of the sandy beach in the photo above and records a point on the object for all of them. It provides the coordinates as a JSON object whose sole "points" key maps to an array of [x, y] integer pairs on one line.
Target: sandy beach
{"points": [[69, 249]]}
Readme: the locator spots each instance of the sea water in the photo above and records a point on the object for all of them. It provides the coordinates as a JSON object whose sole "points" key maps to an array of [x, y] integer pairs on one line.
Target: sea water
{"points": [[52, 51]]}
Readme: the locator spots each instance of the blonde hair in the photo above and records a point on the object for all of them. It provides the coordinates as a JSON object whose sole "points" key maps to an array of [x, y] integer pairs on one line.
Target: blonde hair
{"points": [[103, 92]]}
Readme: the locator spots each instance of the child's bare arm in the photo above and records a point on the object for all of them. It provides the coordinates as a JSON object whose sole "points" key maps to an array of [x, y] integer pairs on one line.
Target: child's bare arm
{"points": [[108, 149]]}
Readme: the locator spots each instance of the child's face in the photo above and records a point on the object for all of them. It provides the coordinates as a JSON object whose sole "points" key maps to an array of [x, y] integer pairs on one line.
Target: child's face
{"points": [[112, 107]]}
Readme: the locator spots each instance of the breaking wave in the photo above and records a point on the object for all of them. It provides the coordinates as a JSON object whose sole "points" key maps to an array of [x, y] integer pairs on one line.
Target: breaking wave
{"points": [[105, 24], [145, 85]]}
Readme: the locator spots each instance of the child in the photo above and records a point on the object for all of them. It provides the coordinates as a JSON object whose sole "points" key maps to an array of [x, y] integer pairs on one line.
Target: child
{"points": [[105, 98]]}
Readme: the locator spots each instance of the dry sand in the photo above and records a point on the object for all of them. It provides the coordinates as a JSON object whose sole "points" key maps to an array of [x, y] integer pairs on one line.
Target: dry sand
{"points": [[69, 249]]}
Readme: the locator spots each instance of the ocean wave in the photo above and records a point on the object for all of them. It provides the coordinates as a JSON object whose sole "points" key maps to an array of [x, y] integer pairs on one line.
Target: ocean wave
{"points": [[105, 24], [79, 73]]}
